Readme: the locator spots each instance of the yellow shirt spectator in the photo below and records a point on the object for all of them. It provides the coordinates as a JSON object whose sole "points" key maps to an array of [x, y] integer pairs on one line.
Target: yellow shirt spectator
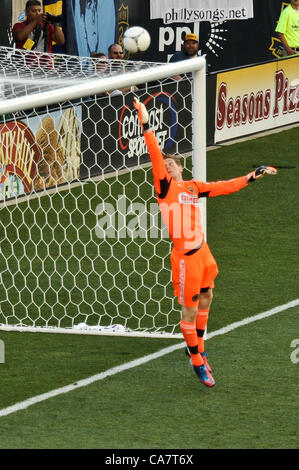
{"points": [[288, 28]]}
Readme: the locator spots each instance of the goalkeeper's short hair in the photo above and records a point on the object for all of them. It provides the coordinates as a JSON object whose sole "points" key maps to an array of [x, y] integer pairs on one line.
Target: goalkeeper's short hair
{"points": [[176, 158]]}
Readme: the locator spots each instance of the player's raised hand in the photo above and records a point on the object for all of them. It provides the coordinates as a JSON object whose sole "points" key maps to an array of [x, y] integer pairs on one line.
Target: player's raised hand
{"points": [[142, 111], [260, 172]]}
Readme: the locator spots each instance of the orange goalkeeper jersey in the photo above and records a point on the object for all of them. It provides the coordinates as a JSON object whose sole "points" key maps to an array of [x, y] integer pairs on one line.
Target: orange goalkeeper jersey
{"points": [[180, 201]]}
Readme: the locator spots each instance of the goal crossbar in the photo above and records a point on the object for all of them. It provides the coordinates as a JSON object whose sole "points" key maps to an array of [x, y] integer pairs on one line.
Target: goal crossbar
{"points": [[96, 86]]}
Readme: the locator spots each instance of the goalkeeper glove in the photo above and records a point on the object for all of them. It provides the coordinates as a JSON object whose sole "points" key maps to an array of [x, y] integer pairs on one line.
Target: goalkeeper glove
{"points": [[260, 172], [142, 113]]}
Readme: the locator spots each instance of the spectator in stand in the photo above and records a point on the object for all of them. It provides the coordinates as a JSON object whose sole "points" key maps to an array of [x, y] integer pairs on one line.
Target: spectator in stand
{"points": [[100, 67], [98, 55], [35, 33], [115, 51], [288, 28], [101, 64], [189, 51]]}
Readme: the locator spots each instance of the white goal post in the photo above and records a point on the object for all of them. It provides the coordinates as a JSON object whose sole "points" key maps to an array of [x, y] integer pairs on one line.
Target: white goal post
{"points": [[83, 249]]}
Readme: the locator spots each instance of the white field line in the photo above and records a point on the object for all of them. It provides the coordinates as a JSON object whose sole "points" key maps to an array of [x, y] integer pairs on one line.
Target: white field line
{"points": [[137, 362]]}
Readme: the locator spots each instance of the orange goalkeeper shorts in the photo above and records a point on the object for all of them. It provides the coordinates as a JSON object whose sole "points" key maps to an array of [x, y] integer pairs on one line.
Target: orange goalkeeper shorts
{"points": [[191, 273]]}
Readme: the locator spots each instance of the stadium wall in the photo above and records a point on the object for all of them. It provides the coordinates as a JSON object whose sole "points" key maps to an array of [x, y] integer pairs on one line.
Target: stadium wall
{"points": [[226, 44]]}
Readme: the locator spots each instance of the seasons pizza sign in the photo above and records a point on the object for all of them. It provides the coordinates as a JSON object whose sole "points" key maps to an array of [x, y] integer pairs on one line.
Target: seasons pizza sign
{"points": [[255, 99]]}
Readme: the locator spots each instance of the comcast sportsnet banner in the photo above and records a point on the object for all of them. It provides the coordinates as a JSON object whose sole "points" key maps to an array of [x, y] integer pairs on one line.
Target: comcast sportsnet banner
{"points": [[190, 11], [257, 98], [112, 138]]}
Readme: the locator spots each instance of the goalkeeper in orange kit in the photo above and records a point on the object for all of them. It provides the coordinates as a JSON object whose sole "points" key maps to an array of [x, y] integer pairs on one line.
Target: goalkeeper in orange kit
{"points": [[193, 266]]}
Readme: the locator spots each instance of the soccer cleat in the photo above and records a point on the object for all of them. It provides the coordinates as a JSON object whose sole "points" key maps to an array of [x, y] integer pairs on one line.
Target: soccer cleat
{"points": [[203, 355], [205, 361], [204, 375]]}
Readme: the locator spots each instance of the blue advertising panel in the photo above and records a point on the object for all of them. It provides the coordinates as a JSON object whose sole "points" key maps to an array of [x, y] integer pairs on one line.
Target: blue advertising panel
{"points": [[89, 26]]}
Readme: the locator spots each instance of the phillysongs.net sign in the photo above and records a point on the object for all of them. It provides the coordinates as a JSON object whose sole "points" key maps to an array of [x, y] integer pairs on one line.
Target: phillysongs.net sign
{"points": [[112, 138], [191, 11]]}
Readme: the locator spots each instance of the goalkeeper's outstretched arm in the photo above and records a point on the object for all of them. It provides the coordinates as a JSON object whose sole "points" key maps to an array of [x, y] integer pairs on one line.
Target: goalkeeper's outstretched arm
{"points": [[159, 169], [161, 176]]}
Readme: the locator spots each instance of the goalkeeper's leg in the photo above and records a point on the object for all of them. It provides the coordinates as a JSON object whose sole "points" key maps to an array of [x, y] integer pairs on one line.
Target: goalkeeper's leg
{"points": [[188, 328], [186, 276], [205, 300], [202, 316]]}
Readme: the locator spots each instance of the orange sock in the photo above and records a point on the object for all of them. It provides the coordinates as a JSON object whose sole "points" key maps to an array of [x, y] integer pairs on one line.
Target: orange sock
{"points": [[190, 336], [201, 324]]}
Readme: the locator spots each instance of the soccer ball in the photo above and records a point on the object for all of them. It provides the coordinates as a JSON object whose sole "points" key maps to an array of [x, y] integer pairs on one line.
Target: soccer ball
{"points": [[136, 39]]}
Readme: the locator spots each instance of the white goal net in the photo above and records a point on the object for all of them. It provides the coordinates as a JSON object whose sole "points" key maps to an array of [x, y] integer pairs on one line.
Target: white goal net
{"points": [[83, 248]]}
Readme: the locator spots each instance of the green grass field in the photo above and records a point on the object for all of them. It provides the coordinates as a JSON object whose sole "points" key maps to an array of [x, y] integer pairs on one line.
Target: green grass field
{"points": [[160, 405]]}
